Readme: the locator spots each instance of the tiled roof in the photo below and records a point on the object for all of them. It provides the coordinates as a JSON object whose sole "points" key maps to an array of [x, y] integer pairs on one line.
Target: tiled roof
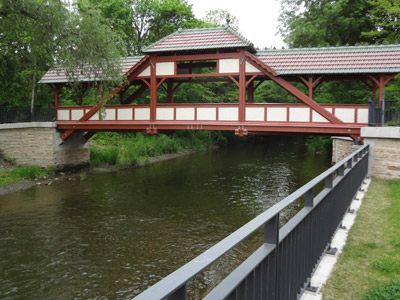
{"points": [[329, 60], [57, 75], [333, 60], [198, 39]]}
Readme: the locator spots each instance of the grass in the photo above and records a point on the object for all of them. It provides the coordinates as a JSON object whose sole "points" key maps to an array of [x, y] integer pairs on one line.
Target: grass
{"points": [[369, 267], [21, 173], [110, 148]]}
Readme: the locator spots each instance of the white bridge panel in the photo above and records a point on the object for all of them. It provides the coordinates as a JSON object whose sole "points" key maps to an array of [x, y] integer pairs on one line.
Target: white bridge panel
{"points": [[76, 114], [345, 114], [146, 72], [63, 114], [228, 114], [125, 114], [276, 114], [316, 117], [229, 65], [185, 114], [165, 114], [206, 114], [165, 68], [362, 115], [95, 117], [251, 69], [255, 113], [142, 114], [109, 114], [299, 114]]}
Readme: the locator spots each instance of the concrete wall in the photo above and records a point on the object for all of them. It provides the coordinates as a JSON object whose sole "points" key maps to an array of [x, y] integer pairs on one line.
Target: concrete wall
{"points": [[342, 147], [384, 144], [384, 157], [39, 143]]}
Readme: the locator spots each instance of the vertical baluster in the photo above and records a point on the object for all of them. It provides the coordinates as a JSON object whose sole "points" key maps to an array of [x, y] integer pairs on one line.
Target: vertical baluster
{"points": [[271, 236], [179, 294]]}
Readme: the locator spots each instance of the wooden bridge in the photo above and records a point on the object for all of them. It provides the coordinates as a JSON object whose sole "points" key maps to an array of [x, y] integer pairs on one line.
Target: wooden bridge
{"points": [[221, 55]]}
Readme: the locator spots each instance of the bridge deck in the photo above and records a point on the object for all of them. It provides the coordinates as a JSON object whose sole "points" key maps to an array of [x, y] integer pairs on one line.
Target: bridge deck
{"points": [[259, 117]]}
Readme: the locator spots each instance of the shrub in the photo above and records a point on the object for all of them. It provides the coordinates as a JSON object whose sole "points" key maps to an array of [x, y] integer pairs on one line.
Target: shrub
{"points": [[390, 291]]}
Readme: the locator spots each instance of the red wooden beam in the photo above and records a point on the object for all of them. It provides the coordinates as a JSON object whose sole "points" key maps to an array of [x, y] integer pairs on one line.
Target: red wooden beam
{"points": [[291, 89], [153, 92], [130, 75], [242, 90], [381, 82]]}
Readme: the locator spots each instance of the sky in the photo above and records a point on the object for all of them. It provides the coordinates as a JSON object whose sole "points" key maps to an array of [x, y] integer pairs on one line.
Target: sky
{"points": [[258, 19]]}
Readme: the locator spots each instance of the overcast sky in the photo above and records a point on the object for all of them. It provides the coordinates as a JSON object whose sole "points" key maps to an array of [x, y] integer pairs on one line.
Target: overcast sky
{"points": [[258, 19]]}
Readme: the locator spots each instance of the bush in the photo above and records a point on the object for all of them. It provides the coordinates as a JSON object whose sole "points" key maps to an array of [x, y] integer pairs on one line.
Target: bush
{"points": [[390, 291], [127, 148], [319, 143]]}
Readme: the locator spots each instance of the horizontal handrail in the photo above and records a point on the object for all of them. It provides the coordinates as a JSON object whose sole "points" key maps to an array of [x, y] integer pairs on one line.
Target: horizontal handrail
{"points": [[178, 279]]}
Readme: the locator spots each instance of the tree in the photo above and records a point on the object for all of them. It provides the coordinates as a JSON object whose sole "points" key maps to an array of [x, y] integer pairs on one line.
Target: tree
{"points": [[142, 22], [386, 17], [90, 47], [221, 17], [324, 22], [28, 31]]}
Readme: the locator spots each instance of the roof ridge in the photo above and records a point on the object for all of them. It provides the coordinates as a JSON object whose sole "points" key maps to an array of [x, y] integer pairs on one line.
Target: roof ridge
{"points": [[201, 30], [330, 48]]}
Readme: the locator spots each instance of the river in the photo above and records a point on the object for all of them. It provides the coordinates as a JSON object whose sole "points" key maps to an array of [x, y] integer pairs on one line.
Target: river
{"points": [[112, 235]]}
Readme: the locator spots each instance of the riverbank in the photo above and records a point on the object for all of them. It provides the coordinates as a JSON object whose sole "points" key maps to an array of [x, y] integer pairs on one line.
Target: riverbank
{"points": [[369, 267], [111, 152]]}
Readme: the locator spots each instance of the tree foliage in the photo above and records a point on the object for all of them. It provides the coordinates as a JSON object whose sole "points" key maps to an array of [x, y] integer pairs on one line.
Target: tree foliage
{"points": [[142, 22], [386, 17], [30, 31], [317, 23], [324, 22], [221, 17]]}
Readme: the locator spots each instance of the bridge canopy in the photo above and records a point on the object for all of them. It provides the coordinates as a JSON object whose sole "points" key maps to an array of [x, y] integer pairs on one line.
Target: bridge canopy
{"points": [[182, 56]]}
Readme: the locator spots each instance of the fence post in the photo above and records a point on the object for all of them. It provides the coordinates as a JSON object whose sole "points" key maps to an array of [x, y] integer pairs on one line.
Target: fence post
{"points": [[271, 236], [179, 294], [383, 108], [371, 111]]}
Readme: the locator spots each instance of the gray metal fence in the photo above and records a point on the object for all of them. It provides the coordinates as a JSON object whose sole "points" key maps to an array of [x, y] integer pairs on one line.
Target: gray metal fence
{"points": [[15, 115], [388, 113], [282, 266]]}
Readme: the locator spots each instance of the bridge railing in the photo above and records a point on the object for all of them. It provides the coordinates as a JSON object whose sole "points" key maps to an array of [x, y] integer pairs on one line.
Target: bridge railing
{"points": [[220, 112], [15, 115], [282, 266], [388, 113]]}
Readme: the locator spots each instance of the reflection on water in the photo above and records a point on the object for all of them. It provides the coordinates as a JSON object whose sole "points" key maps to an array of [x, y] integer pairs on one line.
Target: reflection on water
{"points": [[113, 235]]}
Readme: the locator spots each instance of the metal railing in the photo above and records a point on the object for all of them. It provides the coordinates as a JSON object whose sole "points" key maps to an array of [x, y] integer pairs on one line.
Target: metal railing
{"points": [[388, 113], [15, 115], [282, 266]]}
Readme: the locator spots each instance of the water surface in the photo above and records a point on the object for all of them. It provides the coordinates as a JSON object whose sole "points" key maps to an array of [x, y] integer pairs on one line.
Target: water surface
{"points": [[112, 235]]}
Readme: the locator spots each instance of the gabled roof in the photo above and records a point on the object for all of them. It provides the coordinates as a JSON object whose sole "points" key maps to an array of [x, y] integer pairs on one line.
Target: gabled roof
{"points": [[199, 39], [57, 75], [333, 60]]}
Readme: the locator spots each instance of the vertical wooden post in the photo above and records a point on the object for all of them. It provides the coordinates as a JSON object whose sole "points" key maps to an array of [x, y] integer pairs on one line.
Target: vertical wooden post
{"points": [[56, 89], [170, 91], [374, 88], [250, 92], [153, 89], [242, 87], [310, 87]]}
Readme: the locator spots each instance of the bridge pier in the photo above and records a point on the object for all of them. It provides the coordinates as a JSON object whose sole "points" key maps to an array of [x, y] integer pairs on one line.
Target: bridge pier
{"points": [[342, 147], [384, 159], [39, 143]]}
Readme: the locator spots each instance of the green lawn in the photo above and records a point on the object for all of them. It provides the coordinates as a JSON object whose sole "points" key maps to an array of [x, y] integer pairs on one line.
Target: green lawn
{"points": [[371, 257]]}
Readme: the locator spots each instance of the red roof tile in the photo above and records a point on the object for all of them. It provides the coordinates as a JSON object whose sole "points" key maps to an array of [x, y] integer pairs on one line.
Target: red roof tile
{"points": [[201, 38]]}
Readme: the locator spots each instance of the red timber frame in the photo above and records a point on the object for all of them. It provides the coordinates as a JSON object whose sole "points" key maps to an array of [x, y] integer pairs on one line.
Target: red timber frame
{"points": [[245, 83]]}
